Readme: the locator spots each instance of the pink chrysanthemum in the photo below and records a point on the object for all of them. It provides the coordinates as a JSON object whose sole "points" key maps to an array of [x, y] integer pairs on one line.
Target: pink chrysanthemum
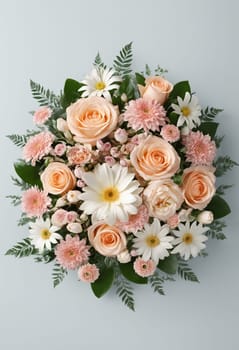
{"points": [[200, 149], [136, 222], [144, 114], [35, 202], [72, 252], [144, 268], [38, 146], [42, 115], [170, 133], [88, 273]]}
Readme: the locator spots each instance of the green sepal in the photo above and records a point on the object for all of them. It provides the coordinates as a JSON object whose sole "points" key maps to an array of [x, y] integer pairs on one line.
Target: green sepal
{"points": [[71, 93], [28, 173], [209, 128], [103, 283], [169, 265], [219, 207], [128, 272]]}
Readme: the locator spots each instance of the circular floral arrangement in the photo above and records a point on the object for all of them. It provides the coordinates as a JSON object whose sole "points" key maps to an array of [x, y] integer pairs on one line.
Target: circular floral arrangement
{"points": [[118, 179]]}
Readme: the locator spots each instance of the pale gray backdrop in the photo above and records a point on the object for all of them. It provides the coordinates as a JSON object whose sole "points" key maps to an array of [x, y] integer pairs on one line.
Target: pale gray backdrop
{"points": [[49, 41]]}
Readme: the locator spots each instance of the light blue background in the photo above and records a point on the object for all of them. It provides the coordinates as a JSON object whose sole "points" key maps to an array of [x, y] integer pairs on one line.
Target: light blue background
{"points": [[49, 41]]}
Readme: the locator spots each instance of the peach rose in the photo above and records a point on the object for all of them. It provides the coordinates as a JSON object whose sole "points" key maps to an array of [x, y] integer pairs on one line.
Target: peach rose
{"points": [[163, 198], [57, 179], [198, 184], [156, 88], [107, 240], [155, 159], [91, 119]]}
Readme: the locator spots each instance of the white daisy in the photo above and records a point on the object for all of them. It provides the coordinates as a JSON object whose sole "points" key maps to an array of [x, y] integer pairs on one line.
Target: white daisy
{"points": [[99, 82], [111, 193], [188, 110], [43, 234], [190, 239], [153, 242]]}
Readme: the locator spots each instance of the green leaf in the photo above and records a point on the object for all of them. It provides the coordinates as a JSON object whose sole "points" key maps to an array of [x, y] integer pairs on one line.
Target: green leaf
{"points": [[128, 272], [224, 164], [186, 273], [22, 249], [28, 173], [103, 283], [58, 274], [216, 230], [219, 207], [127, 86], [140, 79], [209, 128], [122, 62], [222, 188], [71, 93], [15, 200], [169, 264], [180, 89], [98, 61], [210, 113]]}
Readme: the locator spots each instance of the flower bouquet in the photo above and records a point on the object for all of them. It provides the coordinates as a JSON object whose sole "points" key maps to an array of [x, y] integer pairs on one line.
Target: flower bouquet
{"points": [[118, 179]]}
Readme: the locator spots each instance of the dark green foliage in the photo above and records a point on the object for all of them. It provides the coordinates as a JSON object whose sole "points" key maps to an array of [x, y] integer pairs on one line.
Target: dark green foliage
{"points": [[185, 272], [128, 272], [71, 93], [169, 264], [223, 164], [216, 230], [209, 128], [157, 282], [122, 62], [104, 282], [98, 61], [22, 249], [28, 173], [18, 140], [219, 207], [58, 274], [15, 200]]}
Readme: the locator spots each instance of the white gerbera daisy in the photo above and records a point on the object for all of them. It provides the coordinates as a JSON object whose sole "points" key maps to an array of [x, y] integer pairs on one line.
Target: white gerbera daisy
{"points": [[43, 234], [190, 239], [153, 242], [99, 82], [188, 110], [111, 193]]}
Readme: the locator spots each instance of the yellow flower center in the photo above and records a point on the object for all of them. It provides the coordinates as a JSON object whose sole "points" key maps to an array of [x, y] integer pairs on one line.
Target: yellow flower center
{"points": [[45, 233], [100, 85], [187, 238], [185, 111], [110, 194], [152, 241]]}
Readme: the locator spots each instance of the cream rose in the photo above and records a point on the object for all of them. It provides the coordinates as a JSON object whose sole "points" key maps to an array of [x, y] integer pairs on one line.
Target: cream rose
{"points": [[155, 159], [91, 119], [163, 198], [156, 88], [107, 240], [198, 184], [57, 178]]}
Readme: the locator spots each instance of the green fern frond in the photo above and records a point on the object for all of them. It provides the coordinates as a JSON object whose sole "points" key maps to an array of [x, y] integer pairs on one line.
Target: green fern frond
{"points": [[18, 140], [222, 188], [224, 164], [122, 62], [24, 220], [15, 200], [185, 272], [58, 274], [43, 96], [98, 61], [216, 230], [20, 183], [22, 249], [156, 283], [210, 113], [125, 291]]}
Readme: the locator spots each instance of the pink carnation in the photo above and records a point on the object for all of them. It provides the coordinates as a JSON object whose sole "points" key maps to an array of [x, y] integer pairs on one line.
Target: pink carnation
{"points": [[170, 133], [38, 146], [144, 268], [71, 216], [60, 149], [72, 252], [78, 155], [136, 222], [88, 273], [35, 202], [42, 115], [200, 149], [173, 221], [145, 114]]}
